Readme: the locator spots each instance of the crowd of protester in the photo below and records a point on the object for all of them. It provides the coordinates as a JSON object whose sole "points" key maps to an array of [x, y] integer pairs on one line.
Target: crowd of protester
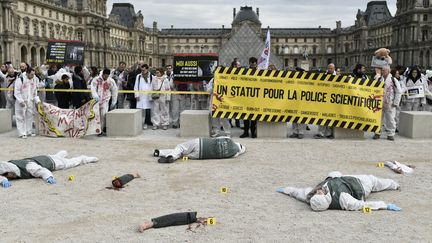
{"points": [[162, 110]]}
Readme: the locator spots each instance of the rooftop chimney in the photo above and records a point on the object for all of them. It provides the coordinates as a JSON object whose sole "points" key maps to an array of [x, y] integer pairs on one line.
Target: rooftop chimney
{"points": [[257, 11], [234, 13]]}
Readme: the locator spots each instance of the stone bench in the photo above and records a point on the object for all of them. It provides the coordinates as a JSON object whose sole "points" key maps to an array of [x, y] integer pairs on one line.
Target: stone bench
{"points": [[5, 120], [415, 124], [124, 122], [195, 123], [343, 133], [272, 129]]}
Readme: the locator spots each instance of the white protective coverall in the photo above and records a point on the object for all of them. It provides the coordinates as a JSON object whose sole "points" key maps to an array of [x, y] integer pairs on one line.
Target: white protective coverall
{"points": [[392, 97], [217, 123], [160, 109], [104, 90], [37, 171], [25, 91], [369, 183], [143, 99]]}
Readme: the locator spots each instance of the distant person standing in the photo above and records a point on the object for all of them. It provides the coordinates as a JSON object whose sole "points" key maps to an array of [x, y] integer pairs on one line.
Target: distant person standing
{"points": [[249, 124], [160, 111], [391, 99], [63, 98], [178, 101], [131, 102], [79, 98], [143, 100], [326, 131], [120, 76], [103, 89], [25, 92]]}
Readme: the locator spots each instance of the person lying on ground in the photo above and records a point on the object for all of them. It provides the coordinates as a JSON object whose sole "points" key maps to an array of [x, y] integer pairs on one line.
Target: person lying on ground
{"points": [[202, 148], [39, 167], [344, 192], [175, 219]]}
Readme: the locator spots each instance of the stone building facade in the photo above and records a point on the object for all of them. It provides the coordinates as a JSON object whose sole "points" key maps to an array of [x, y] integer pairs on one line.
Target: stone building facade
{"points": [[27, 25]]}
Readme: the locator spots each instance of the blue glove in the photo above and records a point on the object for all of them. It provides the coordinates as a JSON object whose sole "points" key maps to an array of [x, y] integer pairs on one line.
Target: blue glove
{"points": [[5, 183], [280, 189], [393, 207], [51, 180], [97, 99]]}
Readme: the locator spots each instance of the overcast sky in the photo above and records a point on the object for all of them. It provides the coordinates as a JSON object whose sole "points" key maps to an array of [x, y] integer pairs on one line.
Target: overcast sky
{"points": [[273, 13]]}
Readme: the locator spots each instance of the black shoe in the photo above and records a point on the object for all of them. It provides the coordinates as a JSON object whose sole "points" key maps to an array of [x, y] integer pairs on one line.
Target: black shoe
{"points": [[254, 135], [102, 134], [397, 130], [293, 135], [156, 153], [318, 136], [376, 136], [330, 137], [174, 126], [244, 135], [391, 138], [307, 128], [166, 160], [300, 136]]}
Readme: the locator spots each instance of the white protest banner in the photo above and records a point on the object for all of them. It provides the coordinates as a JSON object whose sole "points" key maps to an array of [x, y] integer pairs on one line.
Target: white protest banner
{"points": [[74, 123]]}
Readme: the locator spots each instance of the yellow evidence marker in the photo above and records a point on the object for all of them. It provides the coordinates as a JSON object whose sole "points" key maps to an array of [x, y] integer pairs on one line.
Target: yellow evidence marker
{"points": [[380, 165], [185, 158], [224, 190], [71, 178], [211, 221], [367, 210]]}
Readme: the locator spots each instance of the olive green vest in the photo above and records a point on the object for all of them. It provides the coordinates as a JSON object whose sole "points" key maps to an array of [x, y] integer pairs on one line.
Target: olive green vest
{"points": [[347, 184], [217, 148], [43, 161]]}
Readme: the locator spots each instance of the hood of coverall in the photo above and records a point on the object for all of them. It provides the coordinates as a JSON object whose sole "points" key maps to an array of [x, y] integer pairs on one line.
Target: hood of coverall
{"points": [[320, 202]]}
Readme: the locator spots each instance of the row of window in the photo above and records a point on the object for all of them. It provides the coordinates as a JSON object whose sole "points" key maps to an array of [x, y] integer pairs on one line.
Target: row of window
{"points": [[296, 40]]}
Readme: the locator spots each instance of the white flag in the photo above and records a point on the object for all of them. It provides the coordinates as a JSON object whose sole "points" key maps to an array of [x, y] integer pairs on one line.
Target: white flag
{"points": [[263, 61]]}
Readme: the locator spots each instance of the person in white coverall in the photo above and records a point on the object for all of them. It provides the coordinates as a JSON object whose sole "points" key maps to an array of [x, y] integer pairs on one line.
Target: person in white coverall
{"points": [[415, 79], [103, 89], [160, 110], [39, 167], [25, 92], [391, 100], [143, 82], [202, 148], [344, 192]]}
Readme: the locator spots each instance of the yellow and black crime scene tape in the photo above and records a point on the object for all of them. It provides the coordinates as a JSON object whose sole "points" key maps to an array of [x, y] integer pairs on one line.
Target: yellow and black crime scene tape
{"points": [[310, 76], [121, 91]]}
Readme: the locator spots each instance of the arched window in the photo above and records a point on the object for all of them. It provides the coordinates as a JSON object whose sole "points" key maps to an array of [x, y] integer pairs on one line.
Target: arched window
{"points": [[23, 54], [42, 56], [286, 50], [296, 51], [329, 49]]}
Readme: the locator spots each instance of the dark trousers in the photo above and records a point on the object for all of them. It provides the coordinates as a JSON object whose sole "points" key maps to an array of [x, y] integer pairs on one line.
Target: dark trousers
{"points": [[147, 117], [249, 124]]}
